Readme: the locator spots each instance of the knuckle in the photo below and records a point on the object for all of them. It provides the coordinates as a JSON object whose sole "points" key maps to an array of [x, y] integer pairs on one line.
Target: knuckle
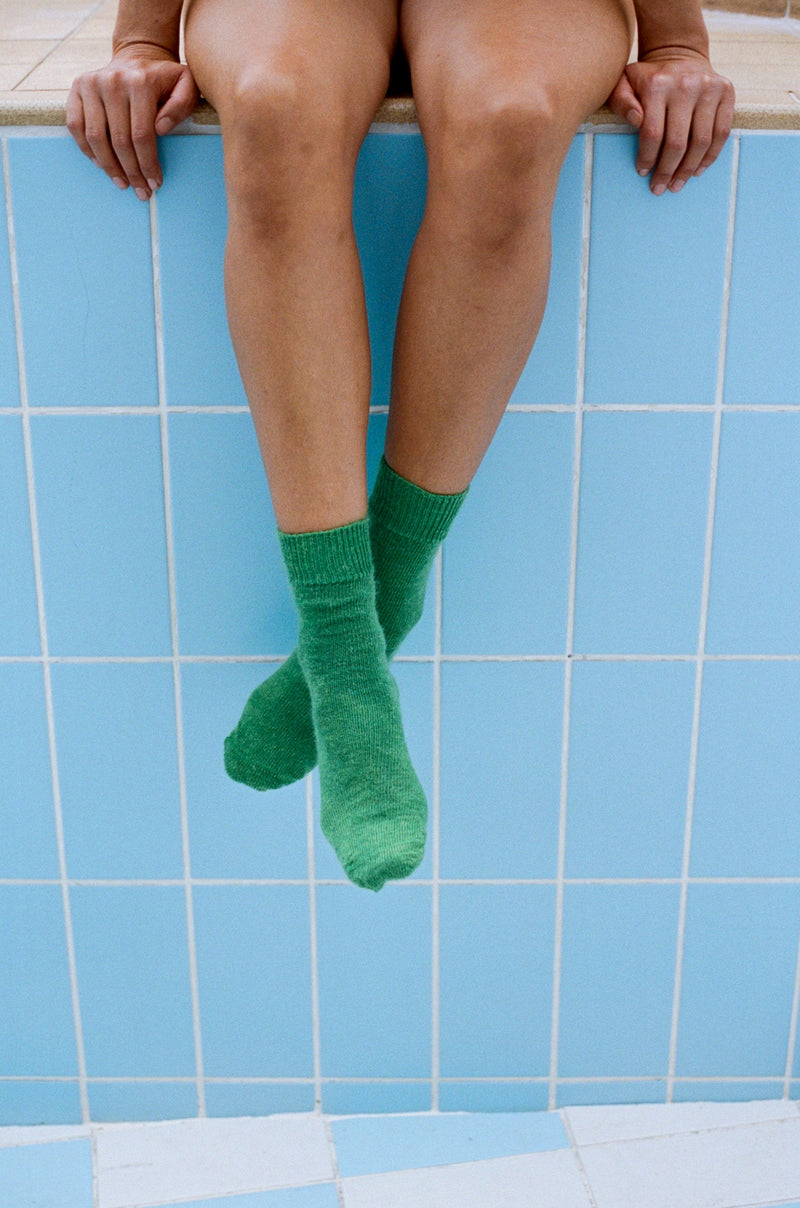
{"points": [[674, 142]]}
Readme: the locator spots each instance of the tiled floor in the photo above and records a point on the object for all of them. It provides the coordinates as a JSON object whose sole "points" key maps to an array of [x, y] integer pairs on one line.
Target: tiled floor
{"points": [[44, 45], [687, 1155]]}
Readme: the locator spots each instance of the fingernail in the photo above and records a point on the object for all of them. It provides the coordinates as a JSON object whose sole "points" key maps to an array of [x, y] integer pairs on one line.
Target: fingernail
{"points": [[659, 189], [154, 184], [642, 171], [700, 171], [142, 194], [119, 182], [677, 186]]}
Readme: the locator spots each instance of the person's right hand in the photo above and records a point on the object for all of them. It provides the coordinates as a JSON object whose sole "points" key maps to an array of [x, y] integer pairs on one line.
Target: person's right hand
{"points": [[114, 114]]}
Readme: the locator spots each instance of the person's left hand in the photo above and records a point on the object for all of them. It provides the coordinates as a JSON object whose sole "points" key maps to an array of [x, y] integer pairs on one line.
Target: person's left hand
{"points": [[682, 109]]}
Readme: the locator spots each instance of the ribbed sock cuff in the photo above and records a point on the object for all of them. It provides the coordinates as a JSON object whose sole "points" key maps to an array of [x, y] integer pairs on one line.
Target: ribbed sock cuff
{"points": [[336, 555], [410, 510]]}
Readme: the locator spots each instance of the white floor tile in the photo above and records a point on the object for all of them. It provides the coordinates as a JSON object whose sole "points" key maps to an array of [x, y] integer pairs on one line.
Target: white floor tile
{"points": [[197, 1159], [40, 1134], [624, 1122], [545, 1180], [727, 1168]]}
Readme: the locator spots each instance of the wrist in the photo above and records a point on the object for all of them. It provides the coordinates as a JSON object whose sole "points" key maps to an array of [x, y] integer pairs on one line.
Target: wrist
{"points": [[676, 50], [143, 48]]}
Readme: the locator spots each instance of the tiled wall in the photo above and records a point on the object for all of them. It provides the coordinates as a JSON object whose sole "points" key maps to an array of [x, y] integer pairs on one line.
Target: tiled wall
{"points": [[602, 697]]}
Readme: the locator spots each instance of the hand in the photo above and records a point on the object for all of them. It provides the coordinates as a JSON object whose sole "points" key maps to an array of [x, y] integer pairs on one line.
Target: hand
{"points": [[682, 109], [115, 113]]}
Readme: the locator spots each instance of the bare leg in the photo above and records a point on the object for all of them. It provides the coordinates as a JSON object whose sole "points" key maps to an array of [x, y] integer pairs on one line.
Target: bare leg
{"points": [[296, 85], [500, 92]]}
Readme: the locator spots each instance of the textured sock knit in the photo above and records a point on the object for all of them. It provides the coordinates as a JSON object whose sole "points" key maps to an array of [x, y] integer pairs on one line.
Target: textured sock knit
{"points": [[273, 743], [374, 810]]}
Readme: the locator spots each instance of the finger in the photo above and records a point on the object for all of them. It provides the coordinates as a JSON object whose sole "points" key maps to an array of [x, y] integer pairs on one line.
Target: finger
{"points": [[700, 136], [76, 123], [118, 109], [673, 148], [96, 126], [143, 136], [623, 101], [651, 133], [722, 128], [179, 105]]}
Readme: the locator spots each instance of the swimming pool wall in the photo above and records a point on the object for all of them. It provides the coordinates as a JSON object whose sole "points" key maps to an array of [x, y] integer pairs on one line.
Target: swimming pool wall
{"points": [[602, 698]]}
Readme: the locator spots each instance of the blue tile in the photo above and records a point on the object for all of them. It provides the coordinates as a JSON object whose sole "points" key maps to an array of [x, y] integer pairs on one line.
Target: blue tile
{"points": [[763, 351], [133, 972], [198, 356], [390, 183], [47, 1176], [641, 537], [746, 822], [755, 568], [506, 560], [321, 1195], [258, 1099], [36, 1103], [86, 281], [574, 1094], [358, 1098], [629, 748], [496, 974], [500, 769], [233, 594], [415, 682], [617, 976], [101, 521], [19, 619], [234, 831], [9, 367], [27, 819], [662, 260], [739, 961], [550, 375], [120, 1101], [118, 769], [374, 960], [254, 974], [493, 1096], [378, 1145], [38, 1032], [707, 1090]]}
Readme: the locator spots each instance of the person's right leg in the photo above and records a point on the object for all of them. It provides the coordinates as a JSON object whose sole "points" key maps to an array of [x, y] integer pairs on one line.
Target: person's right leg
{"points": [[296, 86]]}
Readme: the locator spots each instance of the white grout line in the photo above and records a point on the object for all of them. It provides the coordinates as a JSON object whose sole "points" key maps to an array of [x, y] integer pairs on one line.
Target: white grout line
{"points": [[334, 1162], [519, 408], [176, 673], [46, 672], [313, 954], [793, 1027], [703, 624], [575, 657], [588, 166], [576, 1154], [436, 832]]}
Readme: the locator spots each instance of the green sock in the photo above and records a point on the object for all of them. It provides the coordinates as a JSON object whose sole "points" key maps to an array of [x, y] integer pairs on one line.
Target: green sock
{"points": [[273, 743], [373, 808]]}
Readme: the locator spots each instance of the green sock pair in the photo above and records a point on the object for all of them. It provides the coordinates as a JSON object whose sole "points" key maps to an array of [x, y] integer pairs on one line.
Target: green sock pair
{"points": [[359, 590]]}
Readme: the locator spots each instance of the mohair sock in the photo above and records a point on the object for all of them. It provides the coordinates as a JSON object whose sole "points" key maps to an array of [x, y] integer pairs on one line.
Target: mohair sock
{"points": [[374, 810], [273, 743]]}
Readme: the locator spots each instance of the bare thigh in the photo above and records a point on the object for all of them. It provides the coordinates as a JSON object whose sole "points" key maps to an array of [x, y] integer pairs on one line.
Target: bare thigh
{"points": [[331, 58]]}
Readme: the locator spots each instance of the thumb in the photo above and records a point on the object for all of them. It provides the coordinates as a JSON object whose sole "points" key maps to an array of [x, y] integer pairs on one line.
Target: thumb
{"points": [[180, 103], [624, 102]]}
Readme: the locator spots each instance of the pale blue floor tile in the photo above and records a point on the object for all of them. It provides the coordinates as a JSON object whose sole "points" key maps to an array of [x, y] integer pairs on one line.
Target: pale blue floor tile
{"points": [[19, 619], [86, 280], [234, 830], [354, 1098], [37, 1036], [254, 974], [374, 960], [118, 769], [36, 1103], [669, 353], [619, 941], [323, 1195], [629, 749], [763, 350], [500, 769], [383, 1144], [755, 567], [100, 499], [746, 822], [27, 816], [121, 1101], [496, 968], [132, 956], [47, 1176]]}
